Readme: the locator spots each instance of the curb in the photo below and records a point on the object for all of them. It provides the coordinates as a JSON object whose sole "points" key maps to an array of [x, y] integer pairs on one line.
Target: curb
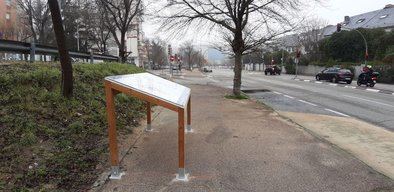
{"points": [[369, 89]]}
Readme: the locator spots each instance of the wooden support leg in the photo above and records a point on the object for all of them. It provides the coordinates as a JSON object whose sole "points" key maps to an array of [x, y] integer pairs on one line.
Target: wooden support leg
{"points": [[181, 144], [148, 117], [189, 116], [113, 146]]}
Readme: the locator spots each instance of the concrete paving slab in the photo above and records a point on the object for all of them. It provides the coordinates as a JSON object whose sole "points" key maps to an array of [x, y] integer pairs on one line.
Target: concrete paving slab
{"points": [[240, 146]]}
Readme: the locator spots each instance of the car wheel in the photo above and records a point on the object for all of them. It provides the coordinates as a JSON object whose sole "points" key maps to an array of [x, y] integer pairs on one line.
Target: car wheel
{"points": [[358, 83], [265, 73], [349, 82], [334, 80], [372, 84], [317, 77]]}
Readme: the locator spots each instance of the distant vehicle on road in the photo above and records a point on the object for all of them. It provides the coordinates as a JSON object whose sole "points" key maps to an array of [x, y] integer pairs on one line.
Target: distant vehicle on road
{"points": [[272, 70], [206, 70], [335, 75]]}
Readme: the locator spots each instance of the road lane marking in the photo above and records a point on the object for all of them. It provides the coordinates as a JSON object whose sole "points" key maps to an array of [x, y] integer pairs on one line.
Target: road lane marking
{"points": [[372, 101], [276, 92], [333, 84], [336, 112], [289, 96], [372, 90], [319, 82], [307, 80], [347, 86], [307, 103]]}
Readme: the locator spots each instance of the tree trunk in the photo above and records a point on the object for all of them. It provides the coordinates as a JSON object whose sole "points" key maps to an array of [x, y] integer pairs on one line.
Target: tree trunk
{"points": [[122, 51], [237, 74], [65, 61], [238, 48]]}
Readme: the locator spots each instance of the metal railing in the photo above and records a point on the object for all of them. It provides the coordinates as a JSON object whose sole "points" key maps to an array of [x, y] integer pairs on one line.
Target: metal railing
{"points": [[32, 49]]}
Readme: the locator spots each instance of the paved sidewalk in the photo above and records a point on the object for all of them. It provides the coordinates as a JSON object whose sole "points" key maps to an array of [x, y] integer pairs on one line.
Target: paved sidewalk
{"points": [[240, 146]]}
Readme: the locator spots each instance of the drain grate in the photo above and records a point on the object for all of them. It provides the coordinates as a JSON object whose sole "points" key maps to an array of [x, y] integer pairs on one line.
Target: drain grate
{"points": [[256, 90]]}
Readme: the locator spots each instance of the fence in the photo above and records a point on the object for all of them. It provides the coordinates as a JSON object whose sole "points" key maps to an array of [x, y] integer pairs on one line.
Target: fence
{"points": [[32, 49]]}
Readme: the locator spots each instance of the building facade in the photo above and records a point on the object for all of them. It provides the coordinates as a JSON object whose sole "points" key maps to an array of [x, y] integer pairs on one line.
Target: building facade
{"points": [[8, 20]]}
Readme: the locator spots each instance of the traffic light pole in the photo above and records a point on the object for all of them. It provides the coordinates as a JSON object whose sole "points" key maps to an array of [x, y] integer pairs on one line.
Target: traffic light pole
{"points": [[365, 42]]}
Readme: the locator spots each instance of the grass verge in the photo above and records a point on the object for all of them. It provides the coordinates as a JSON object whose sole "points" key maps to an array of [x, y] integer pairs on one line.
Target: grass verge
{"points": [[240, 97], [50, 143]]}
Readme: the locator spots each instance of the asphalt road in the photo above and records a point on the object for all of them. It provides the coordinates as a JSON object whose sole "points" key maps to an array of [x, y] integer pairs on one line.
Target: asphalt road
{"points": [[285, 94]]}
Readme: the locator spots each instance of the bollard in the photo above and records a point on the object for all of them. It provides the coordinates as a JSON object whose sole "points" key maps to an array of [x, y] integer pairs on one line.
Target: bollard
{"points": [[32, 52], [91, 57]]}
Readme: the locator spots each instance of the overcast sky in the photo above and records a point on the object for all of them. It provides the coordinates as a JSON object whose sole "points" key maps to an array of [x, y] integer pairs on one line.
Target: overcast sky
{"points": [[333, 11]]}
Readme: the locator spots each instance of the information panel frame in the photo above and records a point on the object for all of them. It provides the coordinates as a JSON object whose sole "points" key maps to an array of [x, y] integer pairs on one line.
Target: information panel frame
{"points": [[153, 90]]}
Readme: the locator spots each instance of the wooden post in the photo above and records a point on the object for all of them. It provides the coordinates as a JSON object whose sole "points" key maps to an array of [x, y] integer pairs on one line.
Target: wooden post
{"points": [[148, 116], [181, 143], [189, 115], [113, 146]]}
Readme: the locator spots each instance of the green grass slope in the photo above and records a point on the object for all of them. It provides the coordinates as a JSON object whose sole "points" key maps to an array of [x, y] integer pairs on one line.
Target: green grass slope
{"points": [[51, 143]]}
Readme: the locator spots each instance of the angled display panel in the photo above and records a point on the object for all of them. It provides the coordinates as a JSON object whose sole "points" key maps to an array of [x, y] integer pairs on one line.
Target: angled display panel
{"points": [[154, 86]]}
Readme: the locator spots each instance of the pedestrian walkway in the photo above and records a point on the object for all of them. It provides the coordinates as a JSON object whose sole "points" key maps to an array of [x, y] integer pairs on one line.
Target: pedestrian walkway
{"points": [[239, 146]]}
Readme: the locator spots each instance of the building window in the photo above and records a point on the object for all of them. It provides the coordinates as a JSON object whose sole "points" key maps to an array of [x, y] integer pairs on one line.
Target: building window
{"points": [[360, 20], [383, 16], [7, 16]]}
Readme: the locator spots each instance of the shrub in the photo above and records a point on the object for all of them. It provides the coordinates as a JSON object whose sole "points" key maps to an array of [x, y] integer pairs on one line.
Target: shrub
{"points": [[50, 141]]}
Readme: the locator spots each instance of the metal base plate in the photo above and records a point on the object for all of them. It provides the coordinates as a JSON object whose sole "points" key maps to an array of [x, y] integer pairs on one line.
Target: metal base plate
{"points": [[182, 175], [115, 173], [149, 128], [189, 129]]}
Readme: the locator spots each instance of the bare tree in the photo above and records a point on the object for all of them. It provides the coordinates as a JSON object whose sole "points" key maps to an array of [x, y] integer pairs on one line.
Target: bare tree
{"points": [[157, 52], [310, 33], [119, 15], [189, 53], [38, 18], [244, 24]]}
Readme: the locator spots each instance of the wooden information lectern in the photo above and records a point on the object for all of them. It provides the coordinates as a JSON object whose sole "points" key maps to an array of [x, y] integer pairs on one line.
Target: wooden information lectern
{"points": [[153, 90]]}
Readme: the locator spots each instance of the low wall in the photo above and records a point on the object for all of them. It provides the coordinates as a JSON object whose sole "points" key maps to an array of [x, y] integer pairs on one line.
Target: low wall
{"points": [[312, 70]]}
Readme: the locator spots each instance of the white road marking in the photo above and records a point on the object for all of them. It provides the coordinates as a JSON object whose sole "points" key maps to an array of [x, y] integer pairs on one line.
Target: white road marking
{"points": [[336, 112], [347, 86], [276, 92], [333, 84], [319, 82], [372, 101], [297, 79], [307, 103], [289, 96], [372, 90], [307, 80]]}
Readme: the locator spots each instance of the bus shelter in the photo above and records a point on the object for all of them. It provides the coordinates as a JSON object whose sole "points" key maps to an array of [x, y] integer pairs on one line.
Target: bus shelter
{"points": [[153, 90]]}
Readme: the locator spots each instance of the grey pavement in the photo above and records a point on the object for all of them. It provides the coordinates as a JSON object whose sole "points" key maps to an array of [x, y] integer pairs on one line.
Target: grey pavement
{"points": [[239, 146]]}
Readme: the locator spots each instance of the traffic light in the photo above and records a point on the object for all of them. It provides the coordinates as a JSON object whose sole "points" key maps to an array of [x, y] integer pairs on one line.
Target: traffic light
{"points": [[339, 27], [169, 50]]}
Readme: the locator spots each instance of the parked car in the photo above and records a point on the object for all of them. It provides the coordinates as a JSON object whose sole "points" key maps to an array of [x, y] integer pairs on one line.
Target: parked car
{"points": [[206, 70], [335, 75], [272, 70]]}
